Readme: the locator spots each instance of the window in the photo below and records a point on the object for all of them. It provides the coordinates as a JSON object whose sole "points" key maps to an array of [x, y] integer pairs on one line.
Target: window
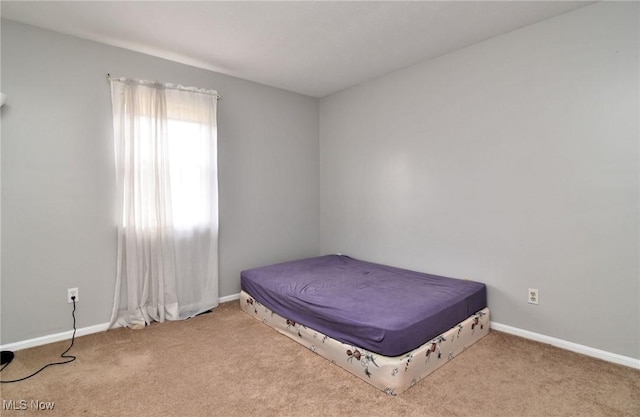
{"points": [[186, 160]]}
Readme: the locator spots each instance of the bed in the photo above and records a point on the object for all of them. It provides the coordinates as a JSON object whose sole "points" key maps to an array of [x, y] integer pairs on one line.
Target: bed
{"points": [[389, 326]]}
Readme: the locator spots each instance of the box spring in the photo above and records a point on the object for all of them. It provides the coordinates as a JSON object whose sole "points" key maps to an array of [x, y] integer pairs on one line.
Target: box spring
{"points": [[393, 375]]}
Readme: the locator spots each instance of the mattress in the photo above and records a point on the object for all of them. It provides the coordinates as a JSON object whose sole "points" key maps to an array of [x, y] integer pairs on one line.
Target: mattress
{"points": [[385, 310], [393, 375]]}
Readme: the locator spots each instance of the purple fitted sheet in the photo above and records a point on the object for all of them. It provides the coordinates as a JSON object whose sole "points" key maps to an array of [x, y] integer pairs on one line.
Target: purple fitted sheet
{"points": [[384, 309]]}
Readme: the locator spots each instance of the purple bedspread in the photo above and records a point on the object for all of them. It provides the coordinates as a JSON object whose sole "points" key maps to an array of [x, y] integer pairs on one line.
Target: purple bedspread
{"points": [[386, 310]]}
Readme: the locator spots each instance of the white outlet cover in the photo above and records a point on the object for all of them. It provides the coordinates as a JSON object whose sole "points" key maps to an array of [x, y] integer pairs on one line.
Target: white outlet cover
{"points": [[73, 292]]}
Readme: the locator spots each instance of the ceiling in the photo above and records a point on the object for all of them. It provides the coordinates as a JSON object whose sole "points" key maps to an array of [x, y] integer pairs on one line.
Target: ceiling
{"points": [[314, 48]]}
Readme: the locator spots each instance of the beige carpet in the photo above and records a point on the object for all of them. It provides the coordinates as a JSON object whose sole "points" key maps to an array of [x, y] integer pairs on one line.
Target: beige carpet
{"points": [[229, 364]]}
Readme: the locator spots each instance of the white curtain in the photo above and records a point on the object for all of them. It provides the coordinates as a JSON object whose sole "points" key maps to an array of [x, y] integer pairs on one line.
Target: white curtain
{"points": [[165, 139]]}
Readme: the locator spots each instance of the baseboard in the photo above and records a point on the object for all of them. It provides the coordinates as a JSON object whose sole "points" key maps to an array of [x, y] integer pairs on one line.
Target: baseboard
{"points": [[52, 338], [228, 298], [566, 345], [44, 340], [563, 344]]}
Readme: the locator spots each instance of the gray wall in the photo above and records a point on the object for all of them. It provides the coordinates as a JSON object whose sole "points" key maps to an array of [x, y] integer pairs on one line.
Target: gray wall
{"points": [[58, 214], [513, 162]]}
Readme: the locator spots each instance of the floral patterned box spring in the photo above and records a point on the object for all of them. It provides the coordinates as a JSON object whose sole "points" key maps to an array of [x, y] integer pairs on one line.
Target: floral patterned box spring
{"points": [[393, 375]]}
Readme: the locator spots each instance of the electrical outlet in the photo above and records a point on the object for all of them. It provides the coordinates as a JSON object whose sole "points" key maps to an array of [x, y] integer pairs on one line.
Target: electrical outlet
{"points": [[72, 292], [533, 296]]}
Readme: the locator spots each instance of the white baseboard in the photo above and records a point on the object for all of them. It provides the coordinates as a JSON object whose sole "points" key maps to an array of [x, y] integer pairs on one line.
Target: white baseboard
{"points": [[52, 338], [231, 297], [573, 347], [44, 340], [563, 344]]}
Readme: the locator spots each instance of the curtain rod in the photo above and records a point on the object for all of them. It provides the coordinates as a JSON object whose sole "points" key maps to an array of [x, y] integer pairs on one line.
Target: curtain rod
{"points": [[172, 86]]}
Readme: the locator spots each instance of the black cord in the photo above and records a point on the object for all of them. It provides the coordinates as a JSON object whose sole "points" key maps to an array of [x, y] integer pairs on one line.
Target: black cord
{"points": [[70, 358]]}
